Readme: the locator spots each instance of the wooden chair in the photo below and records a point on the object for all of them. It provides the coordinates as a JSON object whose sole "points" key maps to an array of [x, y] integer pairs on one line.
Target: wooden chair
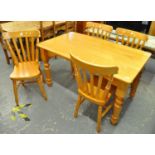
{"points": [[95, 91], [4, 46], [99, 30], [5, 50], [22, 47], [71, 26], [47, 29], [130, 38]]}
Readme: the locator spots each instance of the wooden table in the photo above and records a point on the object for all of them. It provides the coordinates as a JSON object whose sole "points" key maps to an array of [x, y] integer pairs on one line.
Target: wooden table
{"points": [[28, 25], [129, 60]]}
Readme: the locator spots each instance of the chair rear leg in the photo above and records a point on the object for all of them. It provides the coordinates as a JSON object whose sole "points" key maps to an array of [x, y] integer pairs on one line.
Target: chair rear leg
{"points": [[98, 128], [7, 57], [42, 75], [72, 69], [41, 86], [15, 91], [79, 101]]}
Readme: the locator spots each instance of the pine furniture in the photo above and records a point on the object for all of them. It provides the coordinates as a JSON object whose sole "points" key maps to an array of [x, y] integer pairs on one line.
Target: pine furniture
{"points": [[130, 61], [48, 29], [98, 30], [94, 91], [131, 38], [22, 47]]}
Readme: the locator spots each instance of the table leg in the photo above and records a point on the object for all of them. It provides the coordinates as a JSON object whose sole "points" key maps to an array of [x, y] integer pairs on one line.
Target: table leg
{"points": [[45, 59], [134, 85], [119, 99]]}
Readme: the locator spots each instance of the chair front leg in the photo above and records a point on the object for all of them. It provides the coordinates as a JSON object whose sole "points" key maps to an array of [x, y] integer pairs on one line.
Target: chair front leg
{"points": [[79, 101], [99, 118], [41, 86], [15, 91]]}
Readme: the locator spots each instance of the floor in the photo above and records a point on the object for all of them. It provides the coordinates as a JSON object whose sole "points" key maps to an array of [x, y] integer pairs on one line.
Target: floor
{"points": [[56, 114]]}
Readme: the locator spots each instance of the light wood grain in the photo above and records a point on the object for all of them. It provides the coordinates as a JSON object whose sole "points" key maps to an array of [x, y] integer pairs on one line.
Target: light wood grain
{"points": [[22, 47], [131, 38], [100, 52], [130, 61], [98, 30], [28, 25], [85, 74]]}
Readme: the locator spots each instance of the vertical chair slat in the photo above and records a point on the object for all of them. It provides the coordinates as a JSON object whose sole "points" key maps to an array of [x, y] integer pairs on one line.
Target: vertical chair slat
{"points": [[107, 35], [27, 48], [12, 53], [100, 79], [17, 50], [98, 32], [117, 40], [123, 39], [85, 81], [93, 33], [22, 49], [138, 43], [128, 41], [102, 33], [133, 42], [78, 76], [107, 87], [37, 51], [142, 45], [91, 84], [32, 48]]}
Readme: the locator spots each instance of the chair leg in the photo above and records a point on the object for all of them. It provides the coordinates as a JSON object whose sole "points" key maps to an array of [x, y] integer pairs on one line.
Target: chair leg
{"points": [[42, 75], [15, 91], [98, 129], [72, 69], [41, 86], [79, 101], [7, 57], [22, 82]]}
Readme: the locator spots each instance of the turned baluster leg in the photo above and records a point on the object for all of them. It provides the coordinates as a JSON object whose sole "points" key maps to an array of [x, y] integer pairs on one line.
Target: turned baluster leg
{"points": [[45, 59], [134, 85], [119, 99]]}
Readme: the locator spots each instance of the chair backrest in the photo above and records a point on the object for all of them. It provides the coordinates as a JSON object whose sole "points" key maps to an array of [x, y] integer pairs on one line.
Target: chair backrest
{"points": [[22, 45], [131, 38], [98, 30], [85, 74]]}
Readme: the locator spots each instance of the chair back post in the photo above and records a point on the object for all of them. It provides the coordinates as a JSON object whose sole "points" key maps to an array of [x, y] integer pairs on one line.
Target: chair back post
{"points": [[54, 28], [41, 30]]}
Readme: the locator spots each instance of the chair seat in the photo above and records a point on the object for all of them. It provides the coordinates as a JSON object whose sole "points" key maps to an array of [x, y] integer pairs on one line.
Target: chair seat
{"points": [[25, 70]]}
